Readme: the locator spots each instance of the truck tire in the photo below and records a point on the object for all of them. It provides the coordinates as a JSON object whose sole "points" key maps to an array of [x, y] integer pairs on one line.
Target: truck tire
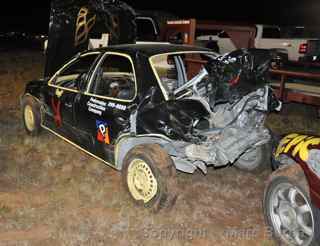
{"points": [[213, 45], [31, 115], [255, 161], [279, 60], [283, 202], [149, 175]]}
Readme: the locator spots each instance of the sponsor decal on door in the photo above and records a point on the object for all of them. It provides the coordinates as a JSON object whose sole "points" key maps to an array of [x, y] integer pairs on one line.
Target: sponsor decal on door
{"points": [[103, 132]]}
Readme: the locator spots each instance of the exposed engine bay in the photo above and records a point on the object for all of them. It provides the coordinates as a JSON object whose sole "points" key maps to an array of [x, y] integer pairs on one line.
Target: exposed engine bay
{"points": [[217, 116]]}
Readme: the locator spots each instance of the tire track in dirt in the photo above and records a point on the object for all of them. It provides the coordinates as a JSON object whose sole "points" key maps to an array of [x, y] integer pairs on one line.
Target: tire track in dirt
{"points": [[19, 199], [38, 233]]}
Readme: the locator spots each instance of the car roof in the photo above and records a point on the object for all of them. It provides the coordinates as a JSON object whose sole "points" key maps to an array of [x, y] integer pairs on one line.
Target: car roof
{"points": [[152, 49]]}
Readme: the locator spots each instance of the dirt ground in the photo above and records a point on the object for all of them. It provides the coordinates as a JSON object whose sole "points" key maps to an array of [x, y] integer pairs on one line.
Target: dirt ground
{"points": [[53, 194]]}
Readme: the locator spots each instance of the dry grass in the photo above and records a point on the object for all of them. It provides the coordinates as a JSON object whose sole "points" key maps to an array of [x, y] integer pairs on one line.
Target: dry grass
{"points": [[52, 194]]}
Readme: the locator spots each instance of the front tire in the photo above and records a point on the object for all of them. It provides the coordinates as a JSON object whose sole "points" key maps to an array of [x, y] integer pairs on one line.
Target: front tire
{"points": [[31, 116], [150, 177], [294, 220], [256, 160]]}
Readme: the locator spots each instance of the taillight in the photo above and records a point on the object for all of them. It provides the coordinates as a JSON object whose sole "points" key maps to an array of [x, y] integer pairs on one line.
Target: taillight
{"points": [[303, 48]]}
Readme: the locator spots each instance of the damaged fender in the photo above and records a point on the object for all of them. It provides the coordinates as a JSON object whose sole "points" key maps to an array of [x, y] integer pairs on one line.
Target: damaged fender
{"points": [[128, 142], [303, 150]]}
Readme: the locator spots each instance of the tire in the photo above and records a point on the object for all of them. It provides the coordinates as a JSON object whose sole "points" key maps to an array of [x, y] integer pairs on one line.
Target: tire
{"points": [[311, 217], [213, 45], [121, 20], [277, 64], [279, 60], [31, 115], [161, 185], [255, 161]]}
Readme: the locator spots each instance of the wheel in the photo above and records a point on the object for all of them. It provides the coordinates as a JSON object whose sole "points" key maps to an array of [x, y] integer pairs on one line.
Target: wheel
{"points": [[279, 60], [276, 64], [150, 176], [256, 160], [213, 45], [293, 219], [31, 116], [122, 23]]}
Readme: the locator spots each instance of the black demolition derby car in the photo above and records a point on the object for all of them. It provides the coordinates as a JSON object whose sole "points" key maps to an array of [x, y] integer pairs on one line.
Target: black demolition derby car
{"points": [[152, 109]]}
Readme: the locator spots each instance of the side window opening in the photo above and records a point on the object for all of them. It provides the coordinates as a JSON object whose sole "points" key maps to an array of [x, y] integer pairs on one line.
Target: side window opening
{"points": [[271, 32], [223, 34], [145, 29], [69, 77], [175, 70], [166, 68], [115, 78]]}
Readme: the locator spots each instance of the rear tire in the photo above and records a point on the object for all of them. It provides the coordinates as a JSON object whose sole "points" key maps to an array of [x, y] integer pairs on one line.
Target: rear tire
{"points": [[31, 115], [149, 175]]}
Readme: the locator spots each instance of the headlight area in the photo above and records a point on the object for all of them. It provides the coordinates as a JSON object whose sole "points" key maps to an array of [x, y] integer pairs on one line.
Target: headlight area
{"points": [[268, 101], [314, 160]]}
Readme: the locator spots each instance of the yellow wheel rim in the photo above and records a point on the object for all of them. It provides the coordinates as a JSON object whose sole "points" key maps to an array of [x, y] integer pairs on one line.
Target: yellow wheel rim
{"points": [[29, 118], [141, 181]]}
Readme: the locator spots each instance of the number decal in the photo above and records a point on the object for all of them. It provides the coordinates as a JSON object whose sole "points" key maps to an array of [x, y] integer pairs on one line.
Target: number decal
{"points": [[297, 145]]}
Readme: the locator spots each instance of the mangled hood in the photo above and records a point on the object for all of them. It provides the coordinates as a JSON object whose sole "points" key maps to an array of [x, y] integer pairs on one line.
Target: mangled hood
{"points": [[218, 116], [228, 78], [229, 90], [237, 74]]}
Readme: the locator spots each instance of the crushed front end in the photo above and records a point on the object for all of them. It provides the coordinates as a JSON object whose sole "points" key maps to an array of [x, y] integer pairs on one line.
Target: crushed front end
{"points": [[217, 117]]}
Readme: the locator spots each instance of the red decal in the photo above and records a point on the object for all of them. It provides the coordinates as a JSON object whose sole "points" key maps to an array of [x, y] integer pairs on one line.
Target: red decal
{"points": [[106, 137], [100, 136], [103, 132], [234, 80], [56, 110]]}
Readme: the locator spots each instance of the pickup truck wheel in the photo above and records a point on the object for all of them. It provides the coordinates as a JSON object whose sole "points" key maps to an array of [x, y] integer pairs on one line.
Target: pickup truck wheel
{"points": [[31, 116], [256, 160], [213, 45], [292, 218], [150, 177]]}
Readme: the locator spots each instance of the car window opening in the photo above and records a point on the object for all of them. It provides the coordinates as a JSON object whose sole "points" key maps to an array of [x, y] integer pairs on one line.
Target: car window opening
{"points": [[115, 78]]}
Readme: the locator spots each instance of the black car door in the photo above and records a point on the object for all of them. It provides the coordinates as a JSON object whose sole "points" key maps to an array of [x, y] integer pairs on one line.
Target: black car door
{"points": [[104, 110], [62, 92]]}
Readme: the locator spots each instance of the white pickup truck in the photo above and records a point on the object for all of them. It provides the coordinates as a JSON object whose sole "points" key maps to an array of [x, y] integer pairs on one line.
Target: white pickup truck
{"points": [[289, 44]]}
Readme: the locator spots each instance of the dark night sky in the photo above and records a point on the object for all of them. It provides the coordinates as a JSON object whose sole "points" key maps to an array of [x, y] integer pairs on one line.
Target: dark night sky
{"points": [[34, 15]]}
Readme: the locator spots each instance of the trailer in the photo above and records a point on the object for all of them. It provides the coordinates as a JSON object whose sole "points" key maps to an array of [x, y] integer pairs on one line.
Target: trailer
{"points": [[188, 31], [294, 86]]}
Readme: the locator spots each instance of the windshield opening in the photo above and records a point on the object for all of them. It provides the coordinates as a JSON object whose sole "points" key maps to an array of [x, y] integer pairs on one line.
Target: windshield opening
{"points": [[175, 70]]}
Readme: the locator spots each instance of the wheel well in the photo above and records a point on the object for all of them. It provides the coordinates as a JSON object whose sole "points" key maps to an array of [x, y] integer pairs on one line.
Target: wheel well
{"points": [[31, 96], [125, 144], [28, 95], [294, 172]]}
